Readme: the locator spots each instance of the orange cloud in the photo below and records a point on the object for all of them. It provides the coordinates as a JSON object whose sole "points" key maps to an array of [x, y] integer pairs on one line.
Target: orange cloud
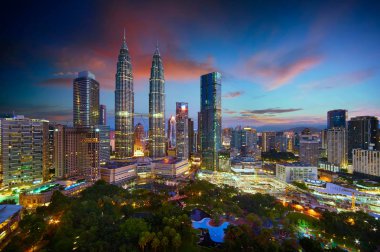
{"points": [[278, 68]]}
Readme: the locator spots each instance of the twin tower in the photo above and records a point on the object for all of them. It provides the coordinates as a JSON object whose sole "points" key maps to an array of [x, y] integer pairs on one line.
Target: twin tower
{"points": [[125, 103]]}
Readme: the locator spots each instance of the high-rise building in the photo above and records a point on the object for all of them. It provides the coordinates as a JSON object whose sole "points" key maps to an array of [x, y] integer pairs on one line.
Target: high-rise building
{"points": [[281, 142], [124, 104], [336, 118], [85, 100], [172, 132], [337, 147], [139, 135], [324, 143], [199, 133], [157, 108], [182, 132], [23, 151], [50, 151], [309, 149], [236, 138], [102, 115], [77, 152], [191, 136], [104, 143], [362, 132], [268, 141], [211, 119], [227, 137], [366, 162]]}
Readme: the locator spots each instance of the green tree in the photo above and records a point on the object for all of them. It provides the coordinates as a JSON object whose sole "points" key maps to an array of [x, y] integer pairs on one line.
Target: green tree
{"points": [[155, 244], [164, 242], [177, 241], [133, 227], [143, 241]]}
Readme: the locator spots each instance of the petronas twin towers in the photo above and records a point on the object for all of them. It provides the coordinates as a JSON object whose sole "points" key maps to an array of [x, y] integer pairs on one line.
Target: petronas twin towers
{"points": [[124, 106]]}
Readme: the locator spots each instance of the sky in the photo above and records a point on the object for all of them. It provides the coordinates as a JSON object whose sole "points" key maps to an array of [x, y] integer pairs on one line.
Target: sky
{"points": [[283, 63]]}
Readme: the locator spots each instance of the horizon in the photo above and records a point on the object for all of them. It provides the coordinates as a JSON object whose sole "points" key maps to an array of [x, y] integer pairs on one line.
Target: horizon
{"points": [[283, 65]]}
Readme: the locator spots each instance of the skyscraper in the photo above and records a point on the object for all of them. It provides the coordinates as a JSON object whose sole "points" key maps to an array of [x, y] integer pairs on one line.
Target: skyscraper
{"points": [[157, 108], [268, 141], [336, 118], [309, 149], [85, 100], [362, 131], [104, 143], [124, 104], [172, 132], [337, 147], [191, 136], [102, 115], [23, 151], [182, 132], [211, 119], [77, 152]]}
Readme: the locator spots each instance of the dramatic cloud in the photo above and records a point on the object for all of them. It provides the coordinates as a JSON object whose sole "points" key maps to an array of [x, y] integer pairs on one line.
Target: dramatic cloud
{"points": [[275, 69], [341, 80], [231, 95], [229, 112], [270, 111]]}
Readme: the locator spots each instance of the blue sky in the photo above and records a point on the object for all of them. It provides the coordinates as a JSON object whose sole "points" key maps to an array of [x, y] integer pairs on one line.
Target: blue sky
{"points": [[284, 63]]}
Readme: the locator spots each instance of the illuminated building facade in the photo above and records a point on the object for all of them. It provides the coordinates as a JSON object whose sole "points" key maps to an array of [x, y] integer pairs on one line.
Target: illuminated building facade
{"points": [[104, 143], [366, 162], [337, 147], [102, 115], [268, 141], [182, 130], [85, 100], [77, 152], [362, 133], [192, 142], [139, 136], [124, 104], [309, 149], [157, 108], [23, 151], [296, 172], [210, 119], [172, 132]]}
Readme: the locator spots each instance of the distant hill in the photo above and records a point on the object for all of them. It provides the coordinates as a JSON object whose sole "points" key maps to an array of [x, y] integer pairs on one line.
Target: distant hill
{"points": [[295, 128]]}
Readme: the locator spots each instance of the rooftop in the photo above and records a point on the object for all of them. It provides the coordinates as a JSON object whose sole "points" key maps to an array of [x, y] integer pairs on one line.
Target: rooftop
{"points": [[7, 211], [296, 164]]}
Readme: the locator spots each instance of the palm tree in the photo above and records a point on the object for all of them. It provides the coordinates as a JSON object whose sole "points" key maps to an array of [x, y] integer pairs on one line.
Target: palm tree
{"points": [[177, 241], [155, 244], [143, 240], [164, 242]]}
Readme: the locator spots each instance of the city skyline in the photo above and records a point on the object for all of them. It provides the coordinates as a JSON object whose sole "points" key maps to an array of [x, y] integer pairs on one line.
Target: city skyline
{"points": [[279, 70]]}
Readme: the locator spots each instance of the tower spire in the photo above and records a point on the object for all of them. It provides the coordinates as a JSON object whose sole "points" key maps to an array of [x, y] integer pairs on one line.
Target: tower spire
{"points": [[124, 45], [157, 52]]}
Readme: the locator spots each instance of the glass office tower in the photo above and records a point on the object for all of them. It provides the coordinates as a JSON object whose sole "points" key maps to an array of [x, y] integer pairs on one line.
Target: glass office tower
{"points": [[211, 120], [85, 100], [157, 108], [182, 132], [124, 104], [336, 118]]}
